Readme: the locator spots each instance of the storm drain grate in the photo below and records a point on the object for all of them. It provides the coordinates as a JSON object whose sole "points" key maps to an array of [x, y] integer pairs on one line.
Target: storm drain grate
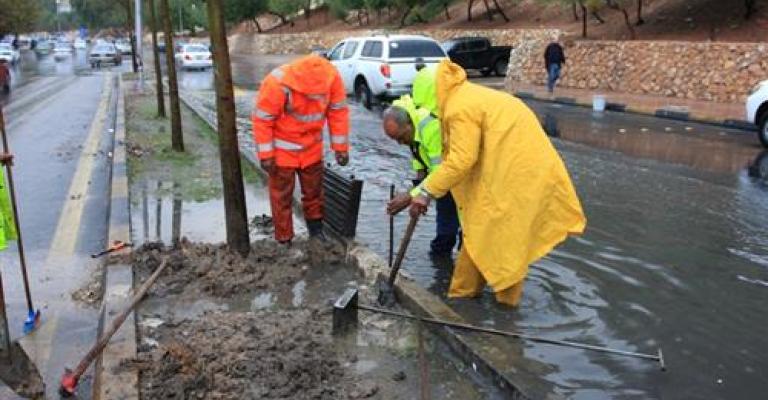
{"points": [[342, 204]]}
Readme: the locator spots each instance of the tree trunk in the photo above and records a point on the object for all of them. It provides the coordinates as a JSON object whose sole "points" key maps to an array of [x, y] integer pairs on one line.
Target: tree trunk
{"points": [[598, 17], [447, 14], [469, 9], [488, 12], [229, 151], [500, 11], [177, 138], [750, 8], [640, 19], [131, 35], [258, 25], [573, 9], [156, 56], [583, 19]]}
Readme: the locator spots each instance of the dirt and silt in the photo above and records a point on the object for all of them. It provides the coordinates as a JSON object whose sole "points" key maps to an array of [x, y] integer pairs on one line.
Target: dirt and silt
{"points": [[219, 326]]}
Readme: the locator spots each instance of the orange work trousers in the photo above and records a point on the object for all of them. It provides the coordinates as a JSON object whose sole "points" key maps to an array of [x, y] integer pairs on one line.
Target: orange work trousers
{"points": [[281, 184]]}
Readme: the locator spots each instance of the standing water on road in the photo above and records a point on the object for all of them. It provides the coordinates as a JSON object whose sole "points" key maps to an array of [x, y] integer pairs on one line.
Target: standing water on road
{"points": [[675, 256]]}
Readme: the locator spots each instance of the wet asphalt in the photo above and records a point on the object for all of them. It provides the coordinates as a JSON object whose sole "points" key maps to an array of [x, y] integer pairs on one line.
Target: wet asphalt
{"points": [[50, 115], [675, 255]]}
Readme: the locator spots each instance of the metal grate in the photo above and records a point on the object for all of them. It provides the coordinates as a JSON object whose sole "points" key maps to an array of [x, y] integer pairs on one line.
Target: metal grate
{"points": [[342, 203]]}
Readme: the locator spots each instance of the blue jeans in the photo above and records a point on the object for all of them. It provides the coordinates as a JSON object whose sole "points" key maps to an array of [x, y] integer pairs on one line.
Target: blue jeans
{"points": [[447, 226], [553, 74]]}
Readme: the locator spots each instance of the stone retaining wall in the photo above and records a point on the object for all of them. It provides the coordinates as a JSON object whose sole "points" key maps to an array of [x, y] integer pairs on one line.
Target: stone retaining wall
{"points": [[714, 71], [722, 72]]}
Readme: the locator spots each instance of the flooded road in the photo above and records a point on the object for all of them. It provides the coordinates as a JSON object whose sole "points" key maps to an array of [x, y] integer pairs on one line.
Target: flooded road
{"points": [[675, 254]]}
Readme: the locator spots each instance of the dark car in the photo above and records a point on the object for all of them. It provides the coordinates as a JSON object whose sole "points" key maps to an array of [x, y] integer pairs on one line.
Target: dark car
{"points": [[477, 53]]}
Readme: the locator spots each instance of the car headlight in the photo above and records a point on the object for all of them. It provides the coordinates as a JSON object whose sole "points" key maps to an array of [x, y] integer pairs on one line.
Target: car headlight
{"points": [[757, 87]]}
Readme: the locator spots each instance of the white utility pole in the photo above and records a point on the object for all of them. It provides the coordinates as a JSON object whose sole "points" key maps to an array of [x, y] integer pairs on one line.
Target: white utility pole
{"points": [[139, 53]]}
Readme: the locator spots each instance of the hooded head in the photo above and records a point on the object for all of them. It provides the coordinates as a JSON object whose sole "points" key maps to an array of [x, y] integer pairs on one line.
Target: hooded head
{"points": [[433, 84], [425, 89], [310, 74]]}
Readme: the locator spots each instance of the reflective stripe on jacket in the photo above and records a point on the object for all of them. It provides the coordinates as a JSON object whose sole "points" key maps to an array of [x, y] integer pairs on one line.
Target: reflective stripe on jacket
{"points": [[291, 109]]}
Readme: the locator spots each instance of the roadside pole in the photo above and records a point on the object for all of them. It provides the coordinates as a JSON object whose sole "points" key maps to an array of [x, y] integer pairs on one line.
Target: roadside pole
{"points": [[139, 53]]}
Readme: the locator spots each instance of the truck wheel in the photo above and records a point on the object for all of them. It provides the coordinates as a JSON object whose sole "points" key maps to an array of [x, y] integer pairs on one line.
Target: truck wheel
{"points": [[363, 94], [762, 132], [500, 68]]}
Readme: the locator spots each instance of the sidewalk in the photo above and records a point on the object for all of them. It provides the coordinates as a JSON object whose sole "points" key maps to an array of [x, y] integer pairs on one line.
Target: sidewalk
{"points": [[730, 114]]}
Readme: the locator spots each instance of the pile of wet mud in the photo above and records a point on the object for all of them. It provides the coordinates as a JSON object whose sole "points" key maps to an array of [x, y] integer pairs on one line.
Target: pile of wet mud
{"points": [[247, 355], [216, 270], [258, 354]]}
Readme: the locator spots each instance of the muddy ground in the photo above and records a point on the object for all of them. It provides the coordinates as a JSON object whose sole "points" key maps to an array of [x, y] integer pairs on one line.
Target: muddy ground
{"points": [[230, 354]]}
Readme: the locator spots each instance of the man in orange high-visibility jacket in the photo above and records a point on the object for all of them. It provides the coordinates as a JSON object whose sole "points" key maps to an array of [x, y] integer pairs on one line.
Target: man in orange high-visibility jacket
{"points": [[291, 109]]}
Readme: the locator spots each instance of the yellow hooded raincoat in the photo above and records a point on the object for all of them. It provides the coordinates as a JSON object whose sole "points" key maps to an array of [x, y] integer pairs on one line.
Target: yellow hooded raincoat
{"points": [[512, 190]]}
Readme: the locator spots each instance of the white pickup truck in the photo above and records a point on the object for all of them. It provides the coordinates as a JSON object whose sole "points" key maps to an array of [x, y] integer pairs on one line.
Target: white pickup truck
{"points": [[382, 66], [757, 110]]}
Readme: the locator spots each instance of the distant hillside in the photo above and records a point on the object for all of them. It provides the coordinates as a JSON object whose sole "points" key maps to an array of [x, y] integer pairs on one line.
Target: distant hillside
{"points": [[689, 20]]}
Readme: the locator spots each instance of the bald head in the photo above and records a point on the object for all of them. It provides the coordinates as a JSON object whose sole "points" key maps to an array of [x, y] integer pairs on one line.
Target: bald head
{"points": [[397, 125]]}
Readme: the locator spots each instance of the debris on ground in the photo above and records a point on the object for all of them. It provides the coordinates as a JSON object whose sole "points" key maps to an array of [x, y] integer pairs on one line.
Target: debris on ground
{"points": [[215, 270], [92, 292]]}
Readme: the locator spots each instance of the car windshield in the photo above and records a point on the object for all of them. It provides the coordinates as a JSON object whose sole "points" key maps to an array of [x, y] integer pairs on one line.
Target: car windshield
{"points": [[414, 48], [104, 48], [196, 49]]}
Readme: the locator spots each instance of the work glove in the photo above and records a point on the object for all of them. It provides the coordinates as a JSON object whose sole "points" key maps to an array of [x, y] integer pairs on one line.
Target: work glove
{"points": [[398, 203], [342, 158], [6, 159], [268, 165], [419, 205]]}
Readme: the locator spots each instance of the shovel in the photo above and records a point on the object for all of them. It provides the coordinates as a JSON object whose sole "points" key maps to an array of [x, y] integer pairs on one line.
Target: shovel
{"points": [[386, 288]]}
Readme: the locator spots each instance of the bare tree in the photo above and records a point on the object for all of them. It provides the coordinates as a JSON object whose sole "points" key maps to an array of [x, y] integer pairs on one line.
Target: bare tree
{"points": [[177, 138], [127, 4], [156, 56], [470, 3], [229, 153], [751, 7], [621, 6], [500, 10], [640, 19], [583, 18]]}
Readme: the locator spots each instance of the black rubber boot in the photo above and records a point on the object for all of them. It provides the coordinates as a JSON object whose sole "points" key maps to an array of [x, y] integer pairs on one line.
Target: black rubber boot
{"points": [[315, 228]]}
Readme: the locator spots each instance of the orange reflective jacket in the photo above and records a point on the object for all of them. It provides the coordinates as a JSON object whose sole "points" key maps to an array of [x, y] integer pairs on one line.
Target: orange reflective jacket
{"points": [[291, 108]]}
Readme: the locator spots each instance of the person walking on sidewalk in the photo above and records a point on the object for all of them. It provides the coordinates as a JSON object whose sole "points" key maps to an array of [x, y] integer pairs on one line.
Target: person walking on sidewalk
{"points": [[554, 58], [420, 131], [291, 109], [515, 199]]}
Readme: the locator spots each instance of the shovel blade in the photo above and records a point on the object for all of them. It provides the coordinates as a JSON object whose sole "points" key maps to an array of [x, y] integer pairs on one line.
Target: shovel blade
{"points": [[386, 296]]}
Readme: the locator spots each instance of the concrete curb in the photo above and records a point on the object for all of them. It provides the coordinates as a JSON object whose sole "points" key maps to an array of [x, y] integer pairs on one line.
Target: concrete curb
{"points": [[112, 382], [471, 349], [658, 113]]}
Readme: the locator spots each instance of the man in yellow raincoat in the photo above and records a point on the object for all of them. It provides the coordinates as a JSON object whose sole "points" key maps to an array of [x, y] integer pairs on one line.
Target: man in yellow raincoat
{"points": [[515, 199]]}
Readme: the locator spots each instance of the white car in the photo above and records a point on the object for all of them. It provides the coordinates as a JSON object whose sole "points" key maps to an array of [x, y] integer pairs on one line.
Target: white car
{"points": [[382, 66], [62, 50], [194, 55], [757, 110], [9, 54], [80, 44]]}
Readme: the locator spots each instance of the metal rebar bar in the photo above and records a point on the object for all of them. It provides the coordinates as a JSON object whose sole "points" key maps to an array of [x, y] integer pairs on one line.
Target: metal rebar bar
{"points": [[659, 357]]}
